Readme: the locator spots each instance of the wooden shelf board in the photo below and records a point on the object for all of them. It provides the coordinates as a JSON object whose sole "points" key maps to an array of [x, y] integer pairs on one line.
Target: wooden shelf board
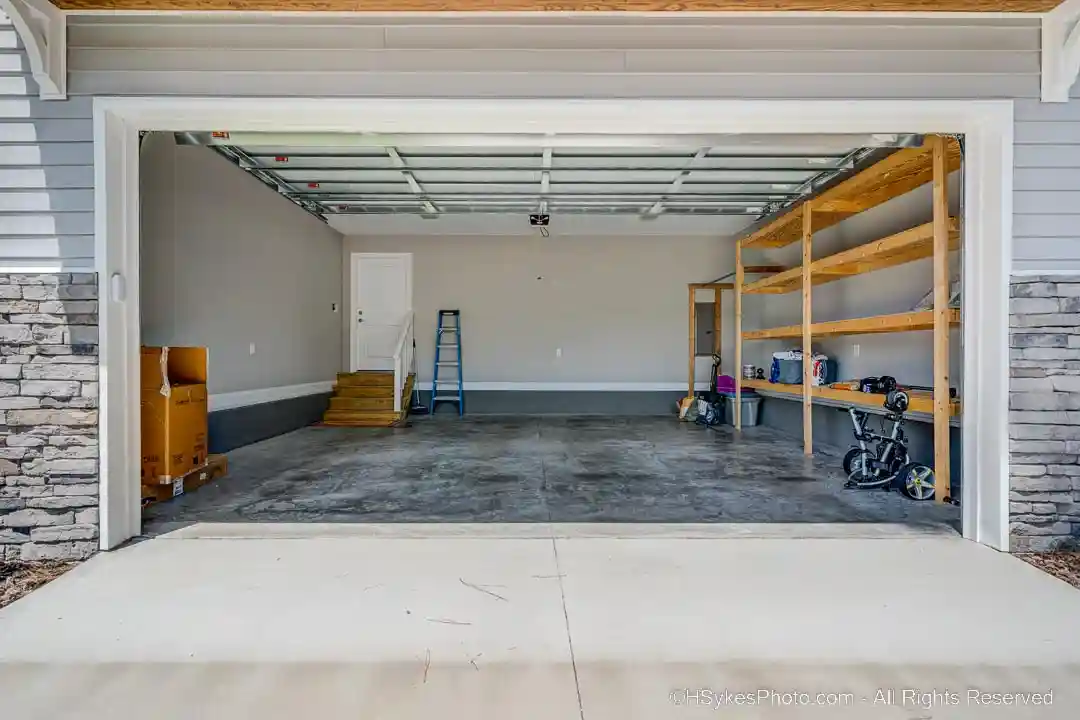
{"points": [[788, 281], [900, 322], [776, 333], [903, 247], [910, 245], [895, 175], [711, 286], [782, 231], [921, 401]]}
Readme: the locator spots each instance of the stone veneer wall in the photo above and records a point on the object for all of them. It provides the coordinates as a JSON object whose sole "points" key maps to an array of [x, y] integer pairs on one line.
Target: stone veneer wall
{"points": [[1044, 412], [48, 416]]}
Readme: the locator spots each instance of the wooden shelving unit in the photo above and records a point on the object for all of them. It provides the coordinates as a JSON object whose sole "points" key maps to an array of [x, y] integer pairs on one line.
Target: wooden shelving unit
{"points": [[895, 175]]}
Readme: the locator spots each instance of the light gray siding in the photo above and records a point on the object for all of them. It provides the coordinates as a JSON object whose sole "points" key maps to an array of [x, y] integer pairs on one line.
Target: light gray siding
{"points": [[557, 57], [46, 171], [46, 154], [1046, 200]]}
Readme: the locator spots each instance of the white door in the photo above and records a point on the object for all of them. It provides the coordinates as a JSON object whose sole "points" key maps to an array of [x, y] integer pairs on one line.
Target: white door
{"points": [[381, 300]]}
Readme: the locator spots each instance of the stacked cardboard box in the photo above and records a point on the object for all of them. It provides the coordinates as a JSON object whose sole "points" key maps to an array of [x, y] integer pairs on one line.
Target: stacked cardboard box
{"points": [[173, 403]]}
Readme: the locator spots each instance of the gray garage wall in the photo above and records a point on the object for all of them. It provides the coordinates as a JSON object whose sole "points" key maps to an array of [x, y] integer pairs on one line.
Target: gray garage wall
{"points": [[616, 306], [226, 263]]}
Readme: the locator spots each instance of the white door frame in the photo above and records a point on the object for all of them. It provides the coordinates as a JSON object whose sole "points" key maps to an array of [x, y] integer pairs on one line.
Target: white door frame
{"points": [[988, 125], [354, 335]]}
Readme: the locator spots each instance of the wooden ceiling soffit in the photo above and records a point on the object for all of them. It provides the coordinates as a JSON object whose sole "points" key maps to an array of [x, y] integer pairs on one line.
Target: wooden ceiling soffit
{"points": [[436, 6]]}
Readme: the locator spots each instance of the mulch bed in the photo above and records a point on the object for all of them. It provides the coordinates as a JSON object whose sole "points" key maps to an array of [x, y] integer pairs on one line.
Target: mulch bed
{"points": [[20, 577], [1062, 565]]}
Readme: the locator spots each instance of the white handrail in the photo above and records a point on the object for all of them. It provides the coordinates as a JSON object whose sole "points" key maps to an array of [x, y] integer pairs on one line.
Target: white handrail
{"points": [[403, 352]]}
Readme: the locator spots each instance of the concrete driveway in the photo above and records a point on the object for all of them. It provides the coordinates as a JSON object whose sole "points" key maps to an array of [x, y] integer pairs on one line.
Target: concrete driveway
{"points": [[544, 621]]}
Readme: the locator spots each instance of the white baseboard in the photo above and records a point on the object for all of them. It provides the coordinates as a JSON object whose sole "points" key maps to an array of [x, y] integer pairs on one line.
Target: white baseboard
{"points": [[574, 387], [243, 398]]}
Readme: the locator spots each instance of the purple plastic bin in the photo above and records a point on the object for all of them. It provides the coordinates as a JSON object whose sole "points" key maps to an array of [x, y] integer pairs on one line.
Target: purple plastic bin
{"points": [[725, 383]]}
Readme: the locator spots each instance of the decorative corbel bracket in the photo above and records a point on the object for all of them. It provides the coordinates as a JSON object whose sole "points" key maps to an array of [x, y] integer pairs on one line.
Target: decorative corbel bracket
{"points": [[1060, 51], [43, 30]]}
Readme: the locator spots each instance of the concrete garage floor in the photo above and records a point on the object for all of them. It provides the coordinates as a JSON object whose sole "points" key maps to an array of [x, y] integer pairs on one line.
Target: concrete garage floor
{"points": [[537, 469]]}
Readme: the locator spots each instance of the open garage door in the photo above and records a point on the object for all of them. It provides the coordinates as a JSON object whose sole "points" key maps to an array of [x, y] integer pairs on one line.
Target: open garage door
{"points": [[349, 287]]}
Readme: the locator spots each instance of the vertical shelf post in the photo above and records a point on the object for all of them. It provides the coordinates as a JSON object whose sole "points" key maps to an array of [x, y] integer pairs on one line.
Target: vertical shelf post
{"points": [[738, 334], [692, 290], [942, 469], [807, 340]]}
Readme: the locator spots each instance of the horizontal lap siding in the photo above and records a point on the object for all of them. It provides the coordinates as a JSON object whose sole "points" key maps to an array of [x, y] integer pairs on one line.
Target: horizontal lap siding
{"points": [[1046, 200], [46, 171], [46, 152], [745, 58]]}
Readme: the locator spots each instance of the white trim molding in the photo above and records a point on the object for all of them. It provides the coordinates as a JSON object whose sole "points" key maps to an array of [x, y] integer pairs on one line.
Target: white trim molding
{"points": [[1060, 51], [986, 124], [244, 398], [43, 30]]}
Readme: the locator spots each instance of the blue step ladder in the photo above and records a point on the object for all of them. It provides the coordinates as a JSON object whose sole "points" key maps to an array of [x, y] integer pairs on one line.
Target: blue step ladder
{"points": [[448, 340]]}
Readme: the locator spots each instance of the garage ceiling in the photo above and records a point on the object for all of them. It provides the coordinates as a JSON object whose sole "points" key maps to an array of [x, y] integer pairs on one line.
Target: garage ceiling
{"points": [[646, 176]]}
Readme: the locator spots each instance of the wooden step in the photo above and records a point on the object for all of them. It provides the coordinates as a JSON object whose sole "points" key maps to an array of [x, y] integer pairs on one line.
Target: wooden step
{"points": [[367, 378], [356, 418], [366, 405], [365, 391], [362, 404]]}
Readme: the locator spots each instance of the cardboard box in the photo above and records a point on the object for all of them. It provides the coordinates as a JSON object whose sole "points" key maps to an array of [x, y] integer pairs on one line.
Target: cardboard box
{"points": [[173, 407], [216, 466]]}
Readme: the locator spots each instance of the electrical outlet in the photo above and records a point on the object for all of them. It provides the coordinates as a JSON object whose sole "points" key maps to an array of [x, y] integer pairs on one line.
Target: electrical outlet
{"points": [[855, 349], [251, 349], [558, 352], [333, 307]]}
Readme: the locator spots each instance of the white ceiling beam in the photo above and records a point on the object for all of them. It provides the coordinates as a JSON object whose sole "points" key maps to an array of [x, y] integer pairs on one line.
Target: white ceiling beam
{"points": [[1060, 51], [414, 185], [43, 30]]}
